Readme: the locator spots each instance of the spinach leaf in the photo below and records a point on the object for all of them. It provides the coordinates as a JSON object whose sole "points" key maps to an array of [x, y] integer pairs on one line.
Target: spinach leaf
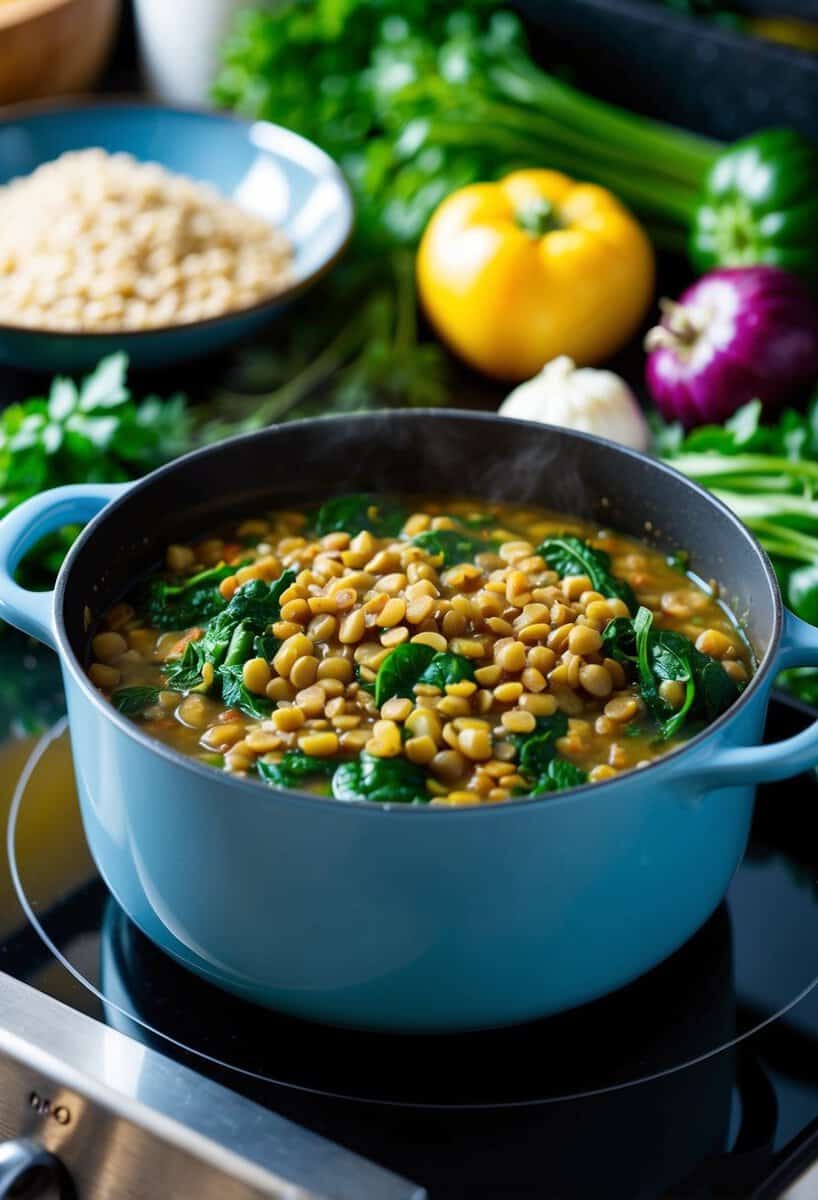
{"points": [[235, 634], [260, 602], [569, 555], [446, 668], [265, 646], [194, 602], [381, 780], [358, 511], [535, 750], [538, 761], [294, 768], [619, 640], [236, 695], [558, 776], [642, 628], [185, 673], [672, 657], [654, 656], [132, 700], [453, 545], [401, 670], [715, 690]]}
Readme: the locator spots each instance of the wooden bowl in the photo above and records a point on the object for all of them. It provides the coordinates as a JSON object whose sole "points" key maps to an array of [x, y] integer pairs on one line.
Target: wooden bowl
{"points": [[50, 47]]}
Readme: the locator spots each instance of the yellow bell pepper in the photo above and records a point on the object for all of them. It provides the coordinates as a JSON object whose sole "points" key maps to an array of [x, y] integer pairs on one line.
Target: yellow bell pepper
{"points": [[514, 273]]}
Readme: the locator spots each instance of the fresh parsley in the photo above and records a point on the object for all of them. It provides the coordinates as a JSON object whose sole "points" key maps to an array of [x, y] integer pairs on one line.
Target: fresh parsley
{"points": [[83, 433]]}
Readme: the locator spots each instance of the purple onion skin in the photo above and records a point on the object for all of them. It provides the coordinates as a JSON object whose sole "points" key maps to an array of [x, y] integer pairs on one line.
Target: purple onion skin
{"points": [[759, 342]]}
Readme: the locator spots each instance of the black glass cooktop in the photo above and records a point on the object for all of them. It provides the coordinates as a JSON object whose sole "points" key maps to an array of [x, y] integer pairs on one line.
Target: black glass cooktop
{"points": [[699, 1080]]}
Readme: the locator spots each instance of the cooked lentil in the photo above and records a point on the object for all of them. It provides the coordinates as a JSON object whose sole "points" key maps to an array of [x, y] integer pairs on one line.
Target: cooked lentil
{"points": [[100, 242], [513, 650]]}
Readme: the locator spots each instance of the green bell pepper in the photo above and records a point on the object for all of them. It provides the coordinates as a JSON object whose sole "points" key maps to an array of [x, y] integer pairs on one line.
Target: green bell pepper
{"points": [[760, 205]]}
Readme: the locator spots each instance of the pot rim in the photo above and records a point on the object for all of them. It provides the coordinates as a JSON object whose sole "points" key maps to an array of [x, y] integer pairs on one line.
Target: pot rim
{"points": [[240, 784]]}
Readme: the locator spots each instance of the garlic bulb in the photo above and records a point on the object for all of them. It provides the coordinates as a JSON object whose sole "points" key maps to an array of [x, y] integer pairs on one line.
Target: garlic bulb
{"points": [[584, 398]]}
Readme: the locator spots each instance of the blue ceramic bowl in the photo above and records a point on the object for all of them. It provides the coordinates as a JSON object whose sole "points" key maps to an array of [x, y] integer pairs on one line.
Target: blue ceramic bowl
{"points": [[269, 170], [387, 916]]}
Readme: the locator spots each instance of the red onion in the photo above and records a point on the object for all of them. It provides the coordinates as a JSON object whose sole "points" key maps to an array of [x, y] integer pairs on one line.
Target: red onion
{"points": [[738, 334]]}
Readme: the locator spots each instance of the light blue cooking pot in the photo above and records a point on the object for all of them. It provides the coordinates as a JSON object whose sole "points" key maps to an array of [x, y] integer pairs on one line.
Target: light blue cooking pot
{"points": [[396, 918]]}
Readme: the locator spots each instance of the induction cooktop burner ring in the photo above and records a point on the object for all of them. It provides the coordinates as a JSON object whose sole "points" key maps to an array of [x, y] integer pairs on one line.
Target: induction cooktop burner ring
{"points": [[53, 735]]}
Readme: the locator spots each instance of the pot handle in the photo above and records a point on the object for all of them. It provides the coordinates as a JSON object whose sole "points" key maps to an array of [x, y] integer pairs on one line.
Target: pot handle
{"points": [[761, 764], [22, 528]]}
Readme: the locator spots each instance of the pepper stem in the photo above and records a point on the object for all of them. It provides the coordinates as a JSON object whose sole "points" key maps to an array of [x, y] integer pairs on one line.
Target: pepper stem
{"points": [[538, 218]]}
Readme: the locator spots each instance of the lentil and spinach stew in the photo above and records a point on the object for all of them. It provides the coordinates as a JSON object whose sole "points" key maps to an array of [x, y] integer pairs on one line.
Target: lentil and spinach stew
{"points": [[433, 651]]}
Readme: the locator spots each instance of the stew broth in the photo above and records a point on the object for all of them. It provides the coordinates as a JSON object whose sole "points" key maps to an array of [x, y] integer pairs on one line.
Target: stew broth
{"points": [[429, 650]]}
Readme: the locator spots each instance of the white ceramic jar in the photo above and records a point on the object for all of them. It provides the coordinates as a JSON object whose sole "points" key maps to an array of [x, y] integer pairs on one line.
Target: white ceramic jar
{"points": [[179, 44]]}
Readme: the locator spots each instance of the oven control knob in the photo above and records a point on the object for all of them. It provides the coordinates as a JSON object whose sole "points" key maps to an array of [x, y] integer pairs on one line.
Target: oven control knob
{"points": [[29, 1172]]}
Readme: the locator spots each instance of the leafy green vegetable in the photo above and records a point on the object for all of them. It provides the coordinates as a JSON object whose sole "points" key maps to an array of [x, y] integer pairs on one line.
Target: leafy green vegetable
{"points": [[266, 646], [559, 775], [83, 433], [452, 545], [381, 780], [259, 602], [535, 750], [418, 100], [654, 656], [401, 670], [236, 695], [294, 769], [569, 555], [132, 700], [538, 761], [715, 689], [663, 656], [255, 605], [238, 632], [185, 673], [768, 475], [446, 668], [359, 511], [197, 599], [194, 602]]}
